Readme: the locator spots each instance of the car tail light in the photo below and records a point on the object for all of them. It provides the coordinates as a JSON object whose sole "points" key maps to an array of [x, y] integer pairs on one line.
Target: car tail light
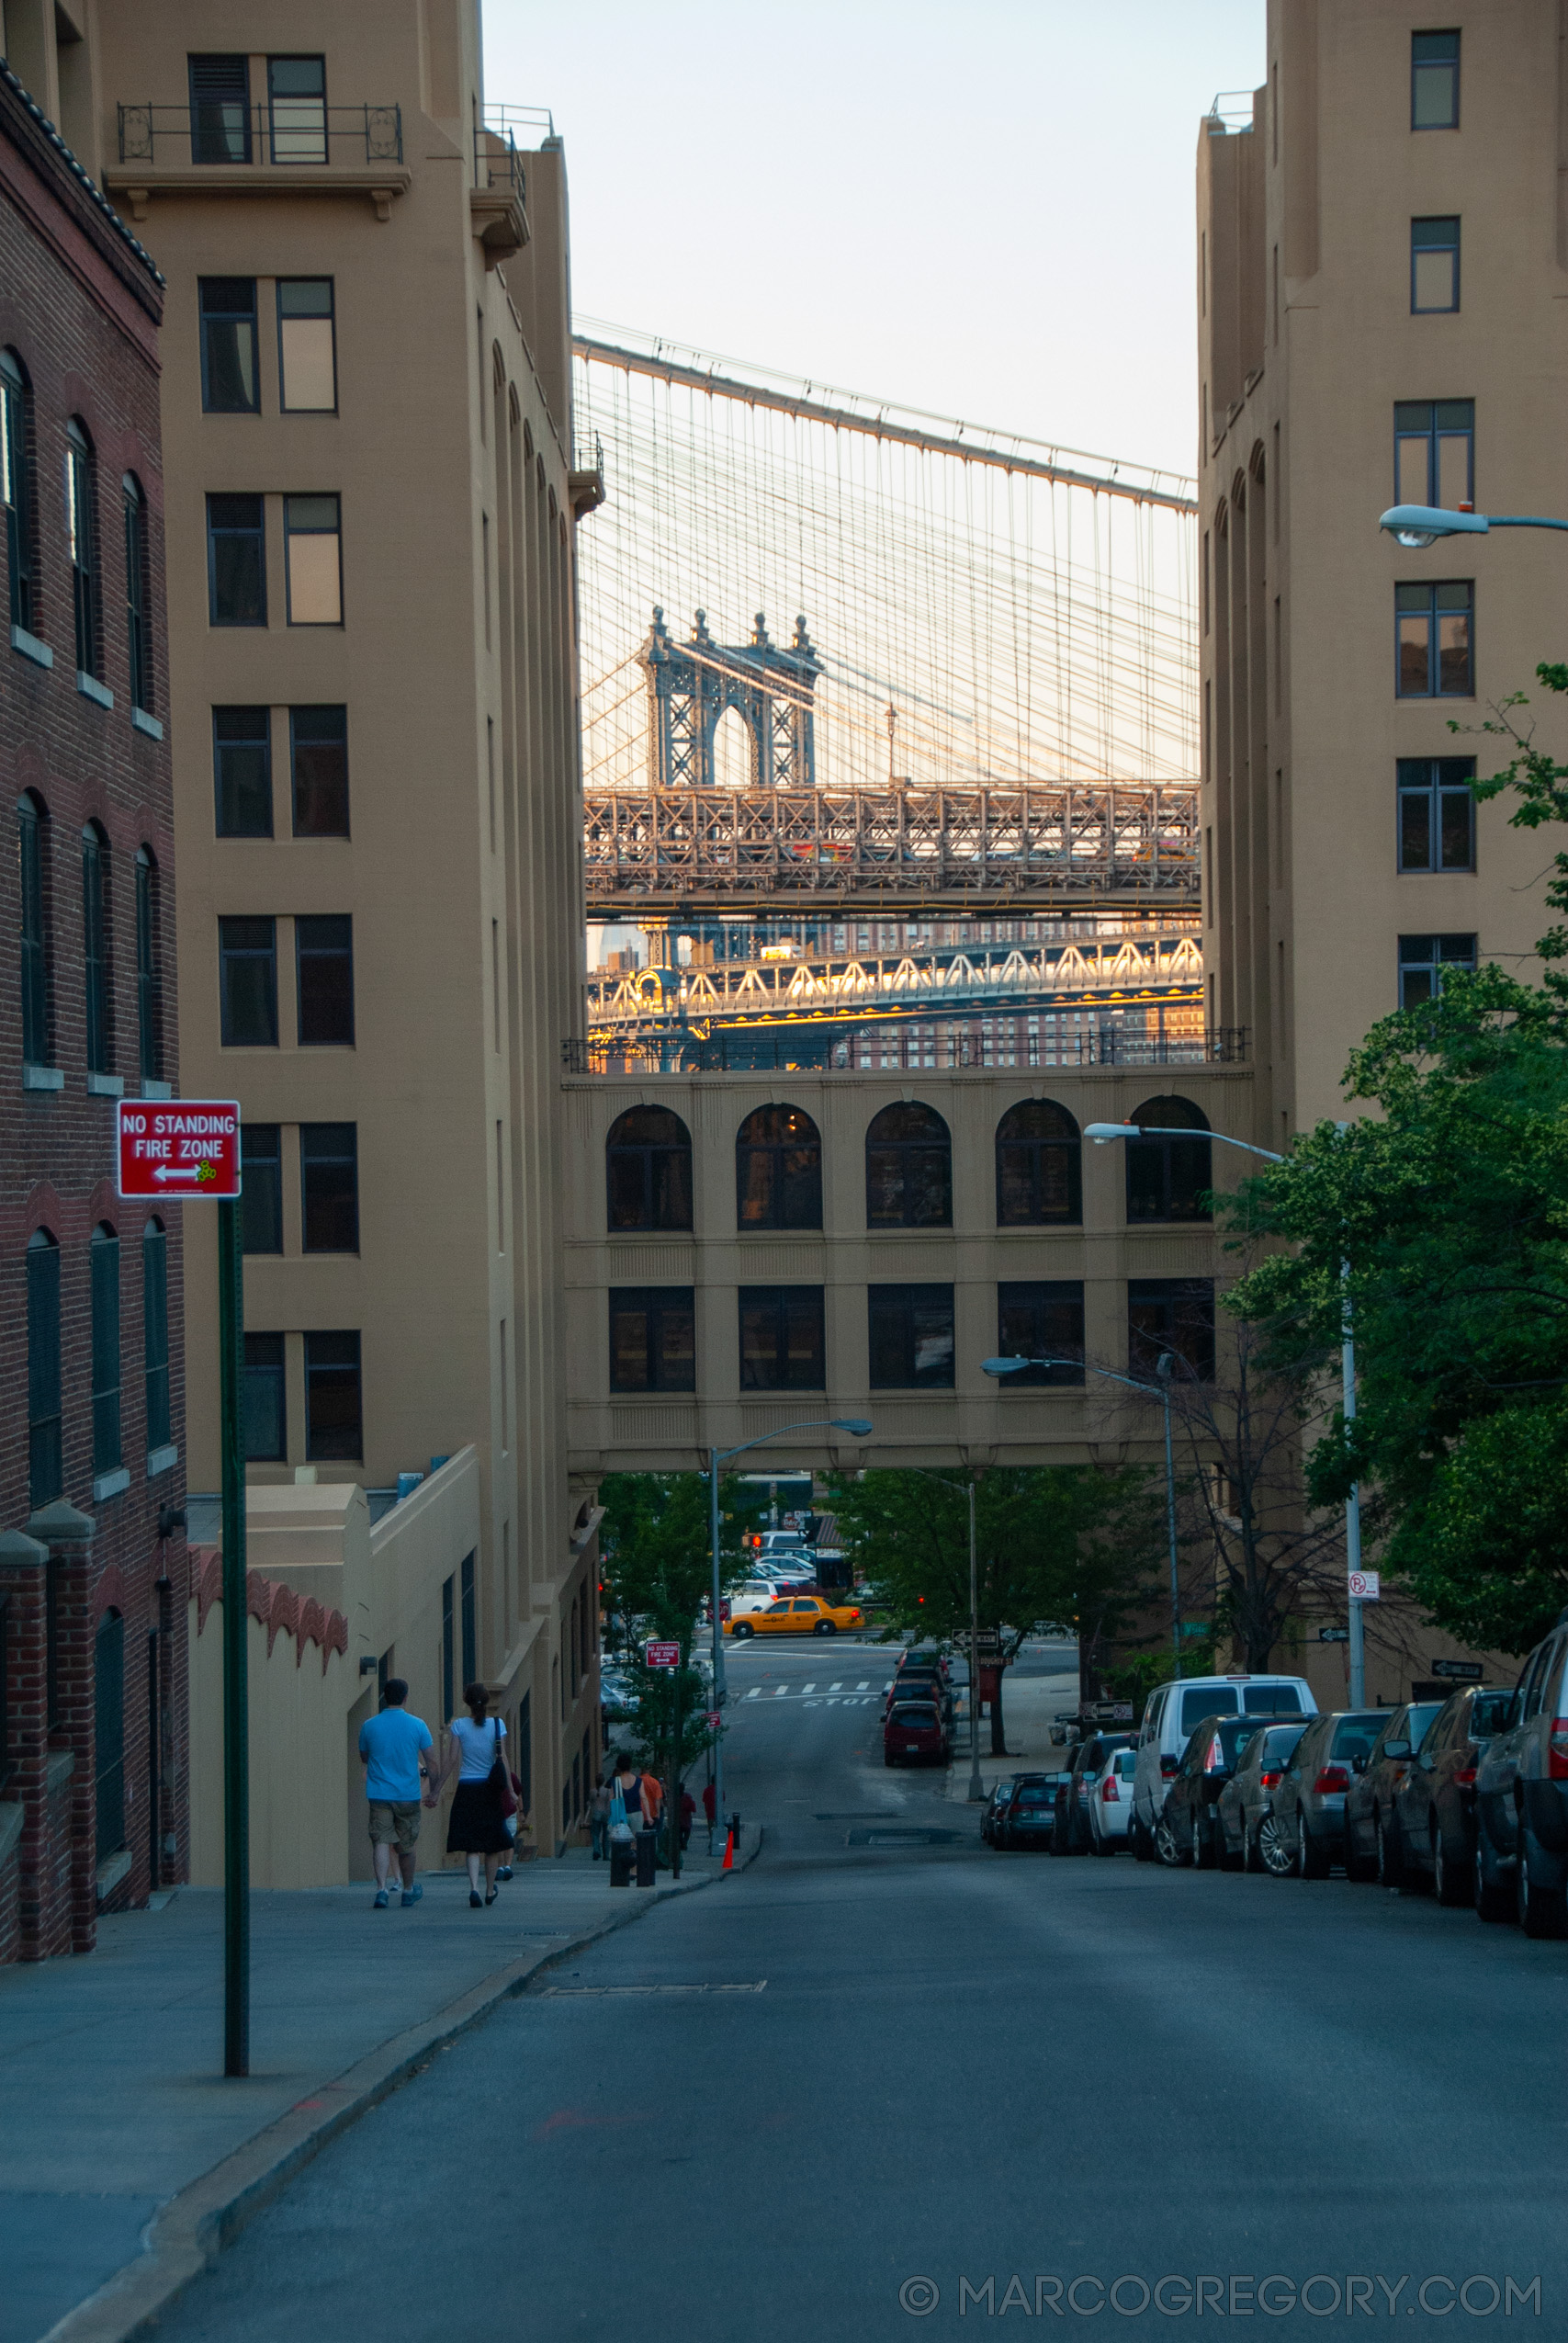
{"points": [[1215, 1760], [1557, 1751], [1167, 1769], [1333, 1777], [1464, 1777], [1110, 1795], [1270, 1781]]}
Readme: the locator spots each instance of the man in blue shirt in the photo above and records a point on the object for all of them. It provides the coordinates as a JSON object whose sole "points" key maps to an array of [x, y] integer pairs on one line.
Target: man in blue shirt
{"points": [[390, 1747]]}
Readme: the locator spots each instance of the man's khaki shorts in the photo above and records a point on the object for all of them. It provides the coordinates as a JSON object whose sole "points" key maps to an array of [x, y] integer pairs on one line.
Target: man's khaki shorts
{"points": [[395, 1825]]}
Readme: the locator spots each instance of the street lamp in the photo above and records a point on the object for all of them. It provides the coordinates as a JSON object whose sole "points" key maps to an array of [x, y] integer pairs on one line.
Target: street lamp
{"points": [[977, 1787], [1419, 525], [1412, 518], [860, 1430], [1163, 1368]]}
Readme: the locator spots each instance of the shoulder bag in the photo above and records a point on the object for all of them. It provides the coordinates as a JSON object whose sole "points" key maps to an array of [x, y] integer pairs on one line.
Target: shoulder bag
{"points": [[500, 1779]]}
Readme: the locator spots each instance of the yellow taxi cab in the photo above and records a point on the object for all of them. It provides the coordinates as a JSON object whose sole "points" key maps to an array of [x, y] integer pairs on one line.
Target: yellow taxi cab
{"points": [[795, 1614]]}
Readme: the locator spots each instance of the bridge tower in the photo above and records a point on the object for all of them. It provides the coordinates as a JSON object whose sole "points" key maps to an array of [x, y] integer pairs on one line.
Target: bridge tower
{"points": [[691, 686]]}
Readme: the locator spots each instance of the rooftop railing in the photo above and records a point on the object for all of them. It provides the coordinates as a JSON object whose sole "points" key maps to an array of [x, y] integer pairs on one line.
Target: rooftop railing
{"points": [[286, 132]]}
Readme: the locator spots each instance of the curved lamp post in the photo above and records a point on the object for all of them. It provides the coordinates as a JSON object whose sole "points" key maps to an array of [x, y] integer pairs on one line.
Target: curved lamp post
{"points": [[860, 1430], [1419, 525]]}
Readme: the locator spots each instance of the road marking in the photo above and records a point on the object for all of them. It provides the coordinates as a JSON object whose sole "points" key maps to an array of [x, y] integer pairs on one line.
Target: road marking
{"points": [[755, 1693], [863, 1687], [783, 1692], [835, 1688], [809, 1688], [560, 1992]]}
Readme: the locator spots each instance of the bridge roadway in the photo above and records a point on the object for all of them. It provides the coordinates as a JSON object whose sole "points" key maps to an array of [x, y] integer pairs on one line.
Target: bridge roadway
{"points": [[991, 852]]}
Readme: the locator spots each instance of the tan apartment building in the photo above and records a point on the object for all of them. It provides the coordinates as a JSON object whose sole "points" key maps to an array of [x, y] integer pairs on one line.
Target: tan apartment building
{"points": [[1383, 267], [369, 510]]}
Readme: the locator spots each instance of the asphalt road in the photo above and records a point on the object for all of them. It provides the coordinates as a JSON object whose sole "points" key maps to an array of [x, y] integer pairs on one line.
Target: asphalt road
{"points": [[885, 2058]]}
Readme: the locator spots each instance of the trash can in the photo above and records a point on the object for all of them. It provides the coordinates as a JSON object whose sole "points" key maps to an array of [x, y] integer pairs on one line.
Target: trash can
{"points": [[647, 1857], [622, 1853]]}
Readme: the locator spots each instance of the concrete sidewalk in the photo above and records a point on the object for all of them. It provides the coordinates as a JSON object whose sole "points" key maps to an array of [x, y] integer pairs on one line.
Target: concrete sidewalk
{"points": [[1030, 1706], [124, 2151]]}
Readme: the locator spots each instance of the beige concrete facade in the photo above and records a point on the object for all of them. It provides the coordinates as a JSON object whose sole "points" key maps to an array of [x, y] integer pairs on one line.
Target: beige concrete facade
{"points": [[436, 410], [1307, 339]]}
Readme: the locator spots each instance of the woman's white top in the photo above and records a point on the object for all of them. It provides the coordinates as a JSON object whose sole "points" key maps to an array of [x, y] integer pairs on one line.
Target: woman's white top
{"points": [[478, 1744]]}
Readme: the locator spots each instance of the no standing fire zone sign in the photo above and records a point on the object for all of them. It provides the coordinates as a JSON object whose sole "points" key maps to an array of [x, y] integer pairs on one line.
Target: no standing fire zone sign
{"points": [[178, 1147]]}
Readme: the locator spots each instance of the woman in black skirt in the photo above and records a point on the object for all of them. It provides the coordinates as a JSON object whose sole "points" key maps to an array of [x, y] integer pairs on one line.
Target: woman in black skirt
{"points": [[478, 1828]]}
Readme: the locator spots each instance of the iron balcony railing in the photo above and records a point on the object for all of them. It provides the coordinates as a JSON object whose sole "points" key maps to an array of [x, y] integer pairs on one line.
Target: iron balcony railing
{"points": [[497, 162], [286, 132], [873, 1050]]}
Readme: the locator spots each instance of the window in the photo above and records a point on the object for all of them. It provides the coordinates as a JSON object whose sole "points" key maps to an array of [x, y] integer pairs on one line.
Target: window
{"points": [[1436, 813], [296, 108], [236, 562], [781, 1341], [1422, 960], [312, 547], [138, 594], [908, 1169], [108, 1735], [1434, 452], [149, 972], [328, 1187], [103, 1263], [1040, 1320], [247, 981], [653, 1339], [648, 1170], [1038, 1170], [448, 1652], [242, 772], [1434, 267], [910, 1329], [469, 1614], [265, 1420], [317, 759], [82, 539], [261, 1188], [219, 109], [94, 946], [34, 934], [1436, 626], [45, 1448], [307, 356], [230, 385], [1174, 1314], [1169, 1178], [323, 951], [1434, 81], [332, 1396], [15, 486], [778, 1171], [155, 1333]]}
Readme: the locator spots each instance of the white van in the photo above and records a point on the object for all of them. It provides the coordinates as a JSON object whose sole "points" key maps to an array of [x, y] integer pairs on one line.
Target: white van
{"points": [[1173, 1714]]}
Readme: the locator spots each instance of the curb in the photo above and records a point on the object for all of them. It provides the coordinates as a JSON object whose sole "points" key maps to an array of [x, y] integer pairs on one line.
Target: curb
{"points": [[192, 2229]]}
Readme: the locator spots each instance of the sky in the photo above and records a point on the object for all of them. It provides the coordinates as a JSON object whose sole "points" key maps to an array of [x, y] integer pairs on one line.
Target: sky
{"points": [[983, 207]]}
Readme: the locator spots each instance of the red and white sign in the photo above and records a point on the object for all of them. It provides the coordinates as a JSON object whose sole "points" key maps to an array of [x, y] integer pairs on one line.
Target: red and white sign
{"points": [[662, 1655], [1366, 1586], [178, 1147]]}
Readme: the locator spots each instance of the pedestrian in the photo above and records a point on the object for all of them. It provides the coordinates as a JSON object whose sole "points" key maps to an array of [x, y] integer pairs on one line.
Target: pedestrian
{"points": [[629, 1782], [599, 1820], [478, 1828], [710, 1800], [651, 1790], [688, 1816], [391, 1748]]}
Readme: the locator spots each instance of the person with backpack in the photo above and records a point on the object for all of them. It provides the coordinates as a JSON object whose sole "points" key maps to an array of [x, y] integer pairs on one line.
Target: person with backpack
{"points": [[477, 1828]]}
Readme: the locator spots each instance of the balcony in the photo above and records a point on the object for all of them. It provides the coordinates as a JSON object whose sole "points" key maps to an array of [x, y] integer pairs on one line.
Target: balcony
{"points": [[497, 199], [289, 146]]}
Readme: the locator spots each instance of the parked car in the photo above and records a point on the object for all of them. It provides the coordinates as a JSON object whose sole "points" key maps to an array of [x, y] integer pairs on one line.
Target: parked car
{"points": [[919, 1683], [1110, 1799], [795, 1614], [1172, 1713], [915, 1730], [1071, 1834], [1372, 1846], [1436, 1802], [1187, 1830], [1030, 1820], [1521, 1796], [1001, 1792], [755, 1595], [1260, 1769], [1303, 1832]]}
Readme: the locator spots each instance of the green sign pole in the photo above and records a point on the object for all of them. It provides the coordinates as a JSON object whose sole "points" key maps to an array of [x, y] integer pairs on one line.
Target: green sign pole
{"points": [[236, 1706]]}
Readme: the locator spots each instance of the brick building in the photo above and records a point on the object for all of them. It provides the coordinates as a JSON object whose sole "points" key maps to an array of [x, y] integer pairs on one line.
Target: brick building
{"points": [[93, 1791]]}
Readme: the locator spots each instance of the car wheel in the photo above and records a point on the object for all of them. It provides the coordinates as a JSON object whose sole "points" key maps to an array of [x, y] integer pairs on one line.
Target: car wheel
{"points": [[1311, 1858], [1491, 1896], [1204, 1857], [1103, 1842], [1449, 1880], [826, 1628], [1142, 1845], [1356, 1866], [1250, 1858], [1278, 1858], [1391, 1859], [1543, 1911], [742, 1631], [1231, 1859], [1168, 1847]]}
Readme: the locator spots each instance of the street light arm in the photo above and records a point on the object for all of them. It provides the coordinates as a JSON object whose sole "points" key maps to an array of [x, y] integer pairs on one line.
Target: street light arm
{"points": [[817, 1423], [1103, 1133]]}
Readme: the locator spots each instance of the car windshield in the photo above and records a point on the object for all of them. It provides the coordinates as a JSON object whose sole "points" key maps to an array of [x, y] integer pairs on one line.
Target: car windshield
{"points": [[1235, 1736], [1279, 1743], [1207, 1699], [1034, 1798], [1489, 1715], [1354, 1736], [1125, 1765], [915, 1720], [1420, 1718], [1272, 1700]]}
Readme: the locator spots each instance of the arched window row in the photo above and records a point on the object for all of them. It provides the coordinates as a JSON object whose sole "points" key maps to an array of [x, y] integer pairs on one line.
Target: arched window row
{"points": [[36, 946], [46, 1399]]}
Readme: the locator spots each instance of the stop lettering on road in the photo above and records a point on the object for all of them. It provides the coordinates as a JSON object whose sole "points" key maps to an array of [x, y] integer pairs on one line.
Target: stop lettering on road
{"points": [[178, 1147]]}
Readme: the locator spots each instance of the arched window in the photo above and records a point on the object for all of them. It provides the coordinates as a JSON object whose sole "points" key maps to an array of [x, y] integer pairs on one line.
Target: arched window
{"points": [[1039, 1173], [648, 1170], [82, 536], [109, 1733], [149, 1000], [45, 1451], [104, 1254], [138, 595], [155, 1331], [16, 487], [909, 1169], [96, 945], [1168, 1178], [30, 840], [778, 1171]]}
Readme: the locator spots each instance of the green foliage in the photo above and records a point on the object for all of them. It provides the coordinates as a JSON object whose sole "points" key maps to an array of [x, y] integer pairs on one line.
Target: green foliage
{"points": [[1540, 785], [654, 1540], [667, 1696], [1142, 1672]]}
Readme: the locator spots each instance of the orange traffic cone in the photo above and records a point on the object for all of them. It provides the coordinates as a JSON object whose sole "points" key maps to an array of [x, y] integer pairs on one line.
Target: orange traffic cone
{"points": [[730, 1850]]}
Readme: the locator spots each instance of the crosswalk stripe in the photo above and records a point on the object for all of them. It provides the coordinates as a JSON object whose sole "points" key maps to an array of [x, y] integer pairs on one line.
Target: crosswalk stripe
{"points": [[863, 1687]]}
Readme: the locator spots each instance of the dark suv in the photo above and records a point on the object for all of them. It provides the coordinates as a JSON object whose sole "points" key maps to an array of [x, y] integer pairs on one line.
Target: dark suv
{"points": [[1436, 1801], [1521, 1797]]}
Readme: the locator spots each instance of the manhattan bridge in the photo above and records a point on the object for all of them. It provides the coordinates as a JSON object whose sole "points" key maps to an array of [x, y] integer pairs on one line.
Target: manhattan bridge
{"points": [[910, 777]]}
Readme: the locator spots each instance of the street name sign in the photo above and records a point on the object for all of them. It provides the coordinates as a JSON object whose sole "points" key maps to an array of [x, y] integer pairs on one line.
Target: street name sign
{"points": [[1105, 1712], [1365, 1586], [662, 1655], [178, 1147]]}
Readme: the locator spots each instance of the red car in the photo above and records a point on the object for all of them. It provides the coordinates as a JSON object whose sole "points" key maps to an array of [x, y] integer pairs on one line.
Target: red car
{"points": [[914, 1733]]}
